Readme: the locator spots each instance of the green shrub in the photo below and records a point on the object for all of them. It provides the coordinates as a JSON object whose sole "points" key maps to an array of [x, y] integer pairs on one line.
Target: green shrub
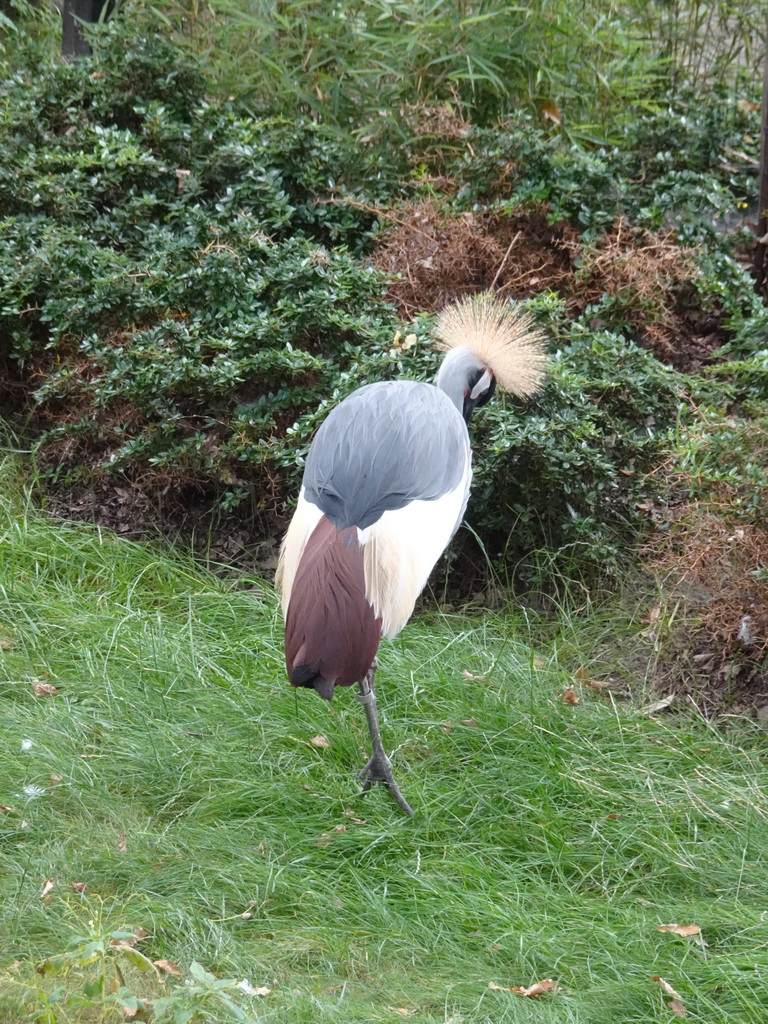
{"points": [[165, 276], [183, 311], [568, 474], [681, 166]]}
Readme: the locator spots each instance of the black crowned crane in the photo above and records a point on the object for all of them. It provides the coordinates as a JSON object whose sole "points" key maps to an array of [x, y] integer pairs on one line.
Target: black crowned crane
{"points": [[385, 488]]}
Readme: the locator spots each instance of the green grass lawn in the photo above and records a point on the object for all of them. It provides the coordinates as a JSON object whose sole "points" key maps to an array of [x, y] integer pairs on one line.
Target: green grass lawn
{"points": [[173, 773]]}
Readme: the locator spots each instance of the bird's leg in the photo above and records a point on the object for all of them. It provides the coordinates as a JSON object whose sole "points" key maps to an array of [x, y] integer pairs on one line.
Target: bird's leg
{"points": [[379, 768]]}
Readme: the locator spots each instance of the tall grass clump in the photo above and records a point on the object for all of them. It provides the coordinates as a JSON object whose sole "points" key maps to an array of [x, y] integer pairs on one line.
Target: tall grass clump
{"points": [[365, 64], [358, 63]]}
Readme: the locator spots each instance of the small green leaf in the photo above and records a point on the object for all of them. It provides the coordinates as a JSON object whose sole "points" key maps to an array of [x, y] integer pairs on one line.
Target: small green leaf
{"points": [[200, 974], [136, 958], [94, 987]]}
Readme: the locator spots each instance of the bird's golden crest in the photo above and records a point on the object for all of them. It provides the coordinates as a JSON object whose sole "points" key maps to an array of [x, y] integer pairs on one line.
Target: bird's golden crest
{"points": [[501, 336]]}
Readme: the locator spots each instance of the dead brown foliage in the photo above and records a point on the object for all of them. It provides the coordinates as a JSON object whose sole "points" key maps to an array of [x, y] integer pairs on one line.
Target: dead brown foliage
{"points": [[441, 120], [434, 257], [650, 277]]}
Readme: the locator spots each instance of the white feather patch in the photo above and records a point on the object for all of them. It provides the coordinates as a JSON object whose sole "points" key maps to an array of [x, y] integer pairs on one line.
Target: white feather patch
{"points": [[401, 548], [302, 526]]}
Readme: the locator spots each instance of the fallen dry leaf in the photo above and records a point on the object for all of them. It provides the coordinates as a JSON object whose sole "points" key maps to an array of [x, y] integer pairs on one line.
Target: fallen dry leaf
{"points": [[48, 885], [596, 684], [667, 987], [79, 886], [168, 967], [551, 111], [659, 705], [680, 929], [497, 988], [261, 990], [676, 1002], [323, 841], [55, 780], [583, 677], [141, 1012], [539, 988], [569, 696], [340, 828], [474, 679], [122, 848], [653, 614], [352, 817], [470, 722], [402, 1011], [140, 933], [45, 689], [319, 741]]}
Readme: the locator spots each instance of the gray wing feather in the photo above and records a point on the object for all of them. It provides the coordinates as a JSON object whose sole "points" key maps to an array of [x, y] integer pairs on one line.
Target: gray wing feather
{"points": [[383, 447]]}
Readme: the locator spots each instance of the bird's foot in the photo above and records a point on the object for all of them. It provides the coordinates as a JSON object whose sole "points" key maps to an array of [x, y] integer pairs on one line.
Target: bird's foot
{"points": [[379, 769]]}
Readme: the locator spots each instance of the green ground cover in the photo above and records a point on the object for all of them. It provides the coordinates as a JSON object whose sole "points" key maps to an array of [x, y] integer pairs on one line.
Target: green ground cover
{"points": [[173, 773]]}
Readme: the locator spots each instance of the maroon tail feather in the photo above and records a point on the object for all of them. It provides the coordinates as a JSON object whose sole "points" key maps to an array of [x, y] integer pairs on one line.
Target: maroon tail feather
{"points": [[331, 631]]}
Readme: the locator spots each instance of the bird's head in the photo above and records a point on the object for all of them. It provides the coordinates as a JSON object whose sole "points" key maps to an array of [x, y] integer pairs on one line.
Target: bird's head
{"points": [[467, 380], [487, 341]]}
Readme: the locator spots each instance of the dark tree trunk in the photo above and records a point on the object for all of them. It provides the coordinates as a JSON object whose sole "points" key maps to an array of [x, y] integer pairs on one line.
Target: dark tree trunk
{"points": [[762, 230], [73, 43]]}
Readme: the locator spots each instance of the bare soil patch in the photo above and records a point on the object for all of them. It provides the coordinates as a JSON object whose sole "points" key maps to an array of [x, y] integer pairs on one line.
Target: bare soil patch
{"points": [[714, 569], [242, 540]]}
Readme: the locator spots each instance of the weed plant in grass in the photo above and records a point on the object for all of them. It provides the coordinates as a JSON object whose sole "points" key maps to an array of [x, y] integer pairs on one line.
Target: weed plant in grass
{"points": [[174, 774]]}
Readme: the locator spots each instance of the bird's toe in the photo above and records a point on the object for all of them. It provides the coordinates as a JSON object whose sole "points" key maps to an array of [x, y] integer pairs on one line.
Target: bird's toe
{"points": [[379, 769]]}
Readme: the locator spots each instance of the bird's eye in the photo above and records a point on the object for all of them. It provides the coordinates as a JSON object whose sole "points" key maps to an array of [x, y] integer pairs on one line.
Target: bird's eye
{"points": [[487, 395]]}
